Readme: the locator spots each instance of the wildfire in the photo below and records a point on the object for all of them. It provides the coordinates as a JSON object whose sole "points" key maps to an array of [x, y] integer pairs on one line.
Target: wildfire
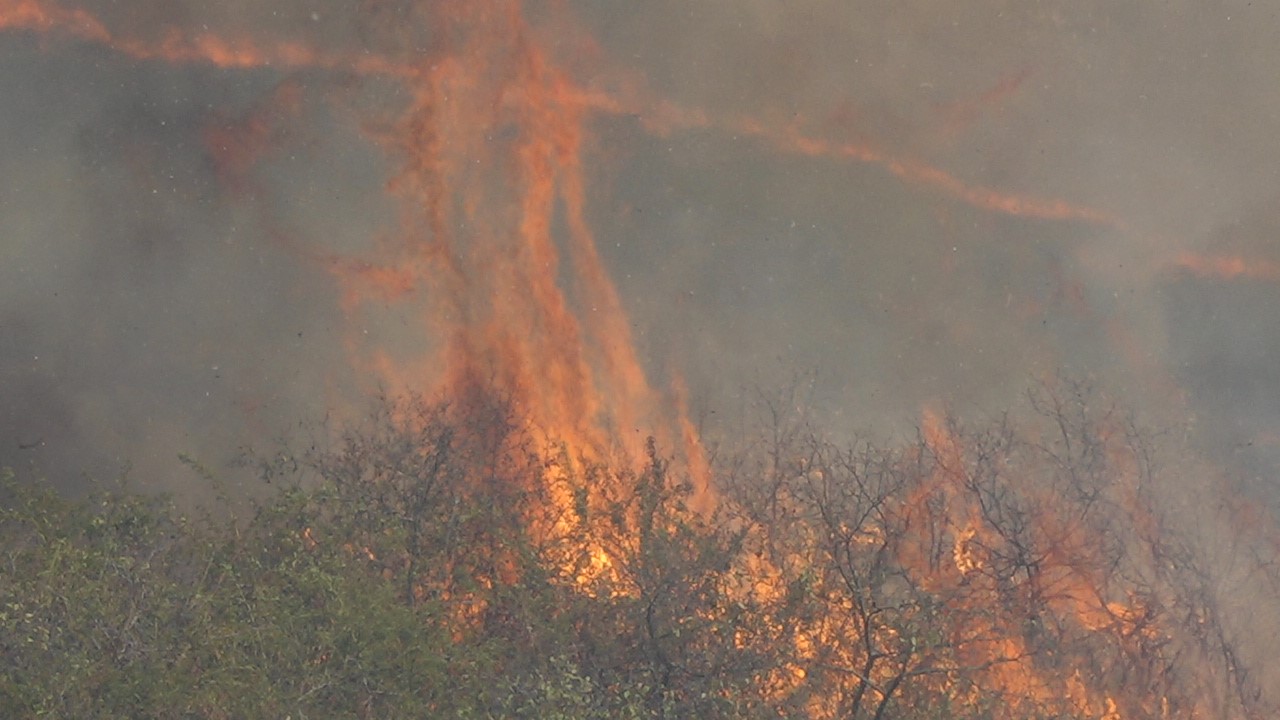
{"points": [[658, 115], [921, 173], [1070, 579], [663, 117], [495, 200]]}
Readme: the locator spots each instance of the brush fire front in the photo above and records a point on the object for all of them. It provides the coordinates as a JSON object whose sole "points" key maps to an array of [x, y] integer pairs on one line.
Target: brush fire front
{"points": [[1027, 569]]}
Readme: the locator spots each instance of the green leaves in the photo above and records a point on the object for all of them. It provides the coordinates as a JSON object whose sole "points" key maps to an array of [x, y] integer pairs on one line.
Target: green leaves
{"points": [[427, 566]]}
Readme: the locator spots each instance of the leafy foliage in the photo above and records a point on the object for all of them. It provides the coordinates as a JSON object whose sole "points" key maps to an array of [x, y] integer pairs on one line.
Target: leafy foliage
{"points": [[436, 562]]}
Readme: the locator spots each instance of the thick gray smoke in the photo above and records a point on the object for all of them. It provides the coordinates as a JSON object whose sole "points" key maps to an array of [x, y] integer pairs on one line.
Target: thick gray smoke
{"points": [[1160, 115], [166, 229], [163, 289]]}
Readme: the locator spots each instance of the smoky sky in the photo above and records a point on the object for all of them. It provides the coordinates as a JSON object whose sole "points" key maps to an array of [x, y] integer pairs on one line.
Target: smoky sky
{"points": [[166, 228]]}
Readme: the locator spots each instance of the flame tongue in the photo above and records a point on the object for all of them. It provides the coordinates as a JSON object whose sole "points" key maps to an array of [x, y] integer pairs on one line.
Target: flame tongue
{"points": [[495, 192], [492, 105]]}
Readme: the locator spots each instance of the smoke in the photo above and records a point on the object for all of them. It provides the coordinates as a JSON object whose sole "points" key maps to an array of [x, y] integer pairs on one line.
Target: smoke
{"points": [[151, 307], [845, 190], [899, 292]]}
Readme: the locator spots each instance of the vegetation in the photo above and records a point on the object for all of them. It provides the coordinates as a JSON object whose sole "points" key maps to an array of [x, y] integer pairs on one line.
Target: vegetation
{"points": [[437, 562]]}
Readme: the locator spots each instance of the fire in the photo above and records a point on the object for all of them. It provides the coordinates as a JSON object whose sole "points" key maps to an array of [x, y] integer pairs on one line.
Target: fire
{"points": [[519, 324], [491, 161], [658, 115], [663, 117], [921, 173], [570, 103], [1069, 579], [495, 237]]}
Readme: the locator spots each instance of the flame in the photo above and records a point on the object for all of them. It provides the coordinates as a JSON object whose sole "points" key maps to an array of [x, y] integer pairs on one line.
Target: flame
{"points": [[1072, 582], [495, 236], [658, 115], [494, 193], [491, 148], [917, 172], [663, 117]]}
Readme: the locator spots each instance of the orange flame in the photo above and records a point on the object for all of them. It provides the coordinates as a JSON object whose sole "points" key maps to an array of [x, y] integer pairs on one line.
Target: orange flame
{"points": [[660, 116], [495, 241], [921, 173], [663, 117], [495, 193]]}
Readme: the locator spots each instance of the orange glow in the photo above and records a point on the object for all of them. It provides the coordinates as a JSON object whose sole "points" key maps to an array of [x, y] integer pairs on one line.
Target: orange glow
{"points": [[703, 499], [1072, 582], [235, 145], [663, 117], [495, 254], [554, 93], [1228, 267], [917, 172], [491, 146], [181, 48], [959, 116], [48, 17]]}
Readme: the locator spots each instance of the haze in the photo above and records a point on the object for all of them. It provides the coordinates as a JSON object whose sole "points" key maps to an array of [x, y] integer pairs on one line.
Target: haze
{"points": [[170, 229]]}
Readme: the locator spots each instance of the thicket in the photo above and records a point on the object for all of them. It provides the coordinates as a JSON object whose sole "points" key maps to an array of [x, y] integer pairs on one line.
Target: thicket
{"points": [[438, 562]]}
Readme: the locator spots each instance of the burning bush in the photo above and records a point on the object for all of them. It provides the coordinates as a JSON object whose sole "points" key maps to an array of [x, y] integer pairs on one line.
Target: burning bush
{"points": [[437, 561]]}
